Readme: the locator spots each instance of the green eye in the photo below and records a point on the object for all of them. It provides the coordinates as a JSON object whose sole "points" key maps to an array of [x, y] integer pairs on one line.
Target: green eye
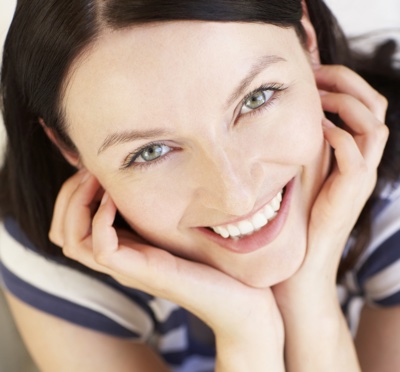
{"points": [[256, 100], [151, 153]]}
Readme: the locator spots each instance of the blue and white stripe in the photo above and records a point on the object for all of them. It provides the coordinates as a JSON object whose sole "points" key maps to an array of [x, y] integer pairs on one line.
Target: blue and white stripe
{"points": [[109, 307]]}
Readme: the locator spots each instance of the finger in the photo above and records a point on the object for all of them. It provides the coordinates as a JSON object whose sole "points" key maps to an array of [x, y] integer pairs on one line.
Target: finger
{"points": [[82, 250], [56, 233], [370, 135], [104, 235], [346, 189], [148, 268], [78, 216], [159, 273], [348, 156], [341, 79], [352, 111], [142, 263], [144, 267]]}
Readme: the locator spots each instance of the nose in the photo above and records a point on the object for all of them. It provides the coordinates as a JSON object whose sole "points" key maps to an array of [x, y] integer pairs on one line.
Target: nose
{"points": [[228, 183]]}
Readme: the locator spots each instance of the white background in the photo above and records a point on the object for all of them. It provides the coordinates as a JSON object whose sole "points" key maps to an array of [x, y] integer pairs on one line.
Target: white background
{"points": [[356, 16]]}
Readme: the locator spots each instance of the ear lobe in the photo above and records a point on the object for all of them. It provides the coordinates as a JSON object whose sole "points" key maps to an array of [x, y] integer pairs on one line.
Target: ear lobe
{"points": [[71, 157], [311, 41]]}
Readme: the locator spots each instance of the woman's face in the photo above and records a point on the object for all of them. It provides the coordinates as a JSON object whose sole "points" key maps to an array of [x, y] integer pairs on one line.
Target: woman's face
{"points": [[192, 126]]}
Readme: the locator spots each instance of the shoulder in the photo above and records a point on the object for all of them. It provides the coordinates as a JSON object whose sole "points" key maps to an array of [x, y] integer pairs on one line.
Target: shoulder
{"points": [[376, 275], [102, 305], [67, 293]]}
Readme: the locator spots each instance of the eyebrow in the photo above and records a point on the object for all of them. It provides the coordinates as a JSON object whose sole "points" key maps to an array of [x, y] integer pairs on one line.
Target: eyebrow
{"points": [[133, 135], [261, 64]]}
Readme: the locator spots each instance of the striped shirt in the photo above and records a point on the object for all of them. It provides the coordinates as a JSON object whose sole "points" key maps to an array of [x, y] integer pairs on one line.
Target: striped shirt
{"points": [[106, 306], [375, 279]]}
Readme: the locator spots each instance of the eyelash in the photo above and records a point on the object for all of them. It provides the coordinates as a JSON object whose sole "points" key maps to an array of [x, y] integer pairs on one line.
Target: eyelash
{"points": [[129, 161], [275, 87]]}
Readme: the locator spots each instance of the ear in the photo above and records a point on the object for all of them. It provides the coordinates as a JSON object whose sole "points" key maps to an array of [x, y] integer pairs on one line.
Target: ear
{"points": [[311, 41], [70, 156]]}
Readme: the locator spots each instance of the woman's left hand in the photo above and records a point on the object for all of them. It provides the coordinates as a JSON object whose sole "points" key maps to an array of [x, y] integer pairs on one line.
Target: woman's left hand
{"points": [[308, 300], [358, 149]]}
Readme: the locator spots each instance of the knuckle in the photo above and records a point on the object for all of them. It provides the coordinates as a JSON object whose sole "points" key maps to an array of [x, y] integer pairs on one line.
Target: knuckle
{"points": [[341, 69], [379, 105], [55, 238], [346, 137], [380, 133], [68, 251], [347, 104], [360, 171], [363, 168], [70, 185], [101, 258], [383, 132], [381, 101], [52, 236], [95, 221], [344, 71]]}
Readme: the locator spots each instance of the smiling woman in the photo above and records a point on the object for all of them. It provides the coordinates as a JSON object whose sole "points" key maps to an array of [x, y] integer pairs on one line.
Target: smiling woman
{"points": [[219, 161], [178, 156]]}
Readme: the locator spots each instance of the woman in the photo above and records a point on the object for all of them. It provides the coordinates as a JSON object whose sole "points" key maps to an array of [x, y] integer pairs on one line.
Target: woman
{"points": [[199, 127]]}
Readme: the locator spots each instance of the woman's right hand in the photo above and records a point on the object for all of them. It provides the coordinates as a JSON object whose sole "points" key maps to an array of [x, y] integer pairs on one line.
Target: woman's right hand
{"points": [[242, 318]]}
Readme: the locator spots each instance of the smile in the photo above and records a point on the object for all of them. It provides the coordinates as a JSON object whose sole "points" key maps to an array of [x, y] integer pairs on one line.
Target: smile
{"points": [[257, 230], [253, 223]]}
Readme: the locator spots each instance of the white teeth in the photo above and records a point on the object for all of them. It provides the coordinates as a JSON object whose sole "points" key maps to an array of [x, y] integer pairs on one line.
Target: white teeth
{"points": [[275, 204], [246, 227], [221, 231], [256, 222], [224, 232], [233, 230], [259, 220], [268, 212]]}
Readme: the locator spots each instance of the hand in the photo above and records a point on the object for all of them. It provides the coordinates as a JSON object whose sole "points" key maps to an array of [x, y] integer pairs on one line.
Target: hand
{"points": [[358, 149], [86, 233], [308, 300]]}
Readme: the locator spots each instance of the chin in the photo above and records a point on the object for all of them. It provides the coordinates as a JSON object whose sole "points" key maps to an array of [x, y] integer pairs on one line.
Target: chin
{"points": [[275, 271], [265, 281]]}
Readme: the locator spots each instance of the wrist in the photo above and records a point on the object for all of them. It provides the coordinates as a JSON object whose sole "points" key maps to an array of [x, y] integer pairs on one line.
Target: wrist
{"points": [[303, 298], [257, 352], [254, 344], [317, 336]]}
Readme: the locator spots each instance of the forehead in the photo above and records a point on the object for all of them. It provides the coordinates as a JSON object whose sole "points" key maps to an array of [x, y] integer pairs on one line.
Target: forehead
{"points": [[165, 43], [153, 67]]}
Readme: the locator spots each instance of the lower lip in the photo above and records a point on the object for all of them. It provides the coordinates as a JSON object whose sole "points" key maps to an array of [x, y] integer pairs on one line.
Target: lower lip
{"points": [[260, 238]]}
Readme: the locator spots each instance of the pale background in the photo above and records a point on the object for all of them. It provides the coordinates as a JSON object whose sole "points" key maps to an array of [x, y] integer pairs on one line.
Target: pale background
{"points": [[357, 17]]}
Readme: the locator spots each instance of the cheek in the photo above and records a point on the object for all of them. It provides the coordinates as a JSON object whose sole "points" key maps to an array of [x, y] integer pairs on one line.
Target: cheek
{"points": [[305, 143], [149, 209], [298, 138]]}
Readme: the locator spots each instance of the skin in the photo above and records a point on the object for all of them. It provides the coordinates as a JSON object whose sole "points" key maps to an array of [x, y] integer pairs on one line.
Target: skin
{"points": [[225, 169], [224, 165]]}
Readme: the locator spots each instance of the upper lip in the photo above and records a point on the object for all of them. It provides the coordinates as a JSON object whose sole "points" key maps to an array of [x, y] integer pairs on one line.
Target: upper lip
{"points": [[259, 206]]}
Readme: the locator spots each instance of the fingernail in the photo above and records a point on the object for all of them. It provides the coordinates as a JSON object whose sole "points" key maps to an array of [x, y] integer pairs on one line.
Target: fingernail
{"points": [[327, 123], [104, 198], [322, 92], [316, 66], [85, 176]]}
